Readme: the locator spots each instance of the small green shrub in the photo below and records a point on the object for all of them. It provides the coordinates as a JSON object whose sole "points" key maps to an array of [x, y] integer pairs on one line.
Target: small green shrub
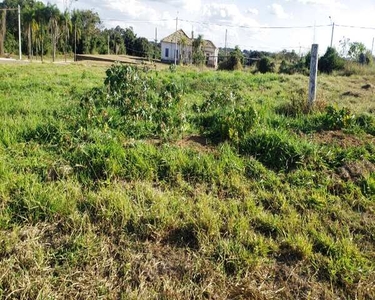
{"points": [[366, 122], [335, 118], [217, 99], [265, 65], [230, 124], [368, 185]]}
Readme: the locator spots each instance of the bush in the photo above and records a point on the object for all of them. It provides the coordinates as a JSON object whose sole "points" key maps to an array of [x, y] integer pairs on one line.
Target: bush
{"points": [[330, 62], [366, 58], [335, 118], [231, 124], [265, 65], [132, 100], [293, 68], [234, 62], [217, 99]]}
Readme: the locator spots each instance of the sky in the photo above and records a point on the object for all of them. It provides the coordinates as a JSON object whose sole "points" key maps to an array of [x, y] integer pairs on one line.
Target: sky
{"points": [[246, 22]]}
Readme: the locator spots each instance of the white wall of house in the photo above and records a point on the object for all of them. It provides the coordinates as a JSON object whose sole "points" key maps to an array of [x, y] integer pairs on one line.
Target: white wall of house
{"points": [[171, 51], [211, 53]]}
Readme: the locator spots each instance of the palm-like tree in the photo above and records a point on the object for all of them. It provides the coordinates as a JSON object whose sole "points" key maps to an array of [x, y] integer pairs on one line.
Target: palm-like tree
{"points": [[183, 45], [54, 18], [67, 30], [41, 17], [198, 53], [3, 30], [29, 22]]}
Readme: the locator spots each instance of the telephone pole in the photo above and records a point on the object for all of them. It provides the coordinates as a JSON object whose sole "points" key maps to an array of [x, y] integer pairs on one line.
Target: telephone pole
{"points": [[372, 47], [333, 30], [156, 42], [175, 50], [226, 39], [75, 41], [108, 44], [19, 32]]}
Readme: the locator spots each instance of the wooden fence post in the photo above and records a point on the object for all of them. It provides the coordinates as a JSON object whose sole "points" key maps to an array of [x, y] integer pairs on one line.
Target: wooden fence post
{"points": [[313, 74]]}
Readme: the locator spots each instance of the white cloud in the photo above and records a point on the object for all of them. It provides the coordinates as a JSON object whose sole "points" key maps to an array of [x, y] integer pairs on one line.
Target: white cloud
{"points": [[327, 3], [187, 5], [131, 8], [226, 14], [252, 11], [277, 10]]}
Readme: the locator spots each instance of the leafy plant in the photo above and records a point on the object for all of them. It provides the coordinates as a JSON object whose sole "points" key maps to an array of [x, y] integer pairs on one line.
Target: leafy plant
{"points": [[335, 118], [230, 124]]}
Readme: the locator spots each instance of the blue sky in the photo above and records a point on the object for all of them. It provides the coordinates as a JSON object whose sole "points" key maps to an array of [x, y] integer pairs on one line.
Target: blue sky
{"points": [[242, 19]]}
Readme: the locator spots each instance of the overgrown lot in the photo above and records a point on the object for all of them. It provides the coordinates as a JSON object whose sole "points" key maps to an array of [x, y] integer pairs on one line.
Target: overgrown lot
{"points": [[135, 184]]}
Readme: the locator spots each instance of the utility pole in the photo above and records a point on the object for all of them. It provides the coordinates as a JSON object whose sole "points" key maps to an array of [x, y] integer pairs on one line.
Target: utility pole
{"points": [[226, 39], [156, 42], [75, 40], [66, 26], [313, 74], [175, 50], [333, 29], [372, 48], [19, 33], [108, 44]]}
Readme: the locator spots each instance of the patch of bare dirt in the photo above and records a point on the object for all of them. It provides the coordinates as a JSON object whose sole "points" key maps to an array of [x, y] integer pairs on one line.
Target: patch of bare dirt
{"points": [[341, 139], [357, 170], [197, 142]]}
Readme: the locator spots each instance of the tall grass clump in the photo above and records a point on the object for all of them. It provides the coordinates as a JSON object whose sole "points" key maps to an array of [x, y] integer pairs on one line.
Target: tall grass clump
{"points": [[277, 150]]}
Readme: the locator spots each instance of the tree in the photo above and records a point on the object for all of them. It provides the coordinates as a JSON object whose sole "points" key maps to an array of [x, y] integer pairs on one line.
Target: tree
{"points": [[266, 65], [28, 19], [41, 18], [3, 30], [234, 61], [142, 47], [183, 43], [344, 45], [87, 26], [355, 50], [67, 29], [129, 39], [198, 53], [330, 61], [54, 18]]}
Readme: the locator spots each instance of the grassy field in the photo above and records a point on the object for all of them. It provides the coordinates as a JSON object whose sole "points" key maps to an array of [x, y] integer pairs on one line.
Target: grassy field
{"points": [[132, 184]]}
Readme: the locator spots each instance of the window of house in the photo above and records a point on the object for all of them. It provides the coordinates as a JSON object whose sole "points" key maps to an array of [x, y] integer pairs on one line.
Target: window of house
{"points": [[166, 52]]}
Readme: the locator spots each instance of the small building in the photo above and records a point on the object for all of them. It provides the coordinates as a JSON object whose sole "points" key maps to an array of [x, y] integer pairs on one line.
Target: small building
{"points": [[179, 46]]}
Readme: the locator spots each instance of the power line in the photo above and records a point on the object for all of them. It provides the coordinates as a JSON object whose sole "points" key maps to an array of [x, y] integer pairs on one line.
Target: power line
{"points": [[254, 27], [356, 27], [137, 21]]}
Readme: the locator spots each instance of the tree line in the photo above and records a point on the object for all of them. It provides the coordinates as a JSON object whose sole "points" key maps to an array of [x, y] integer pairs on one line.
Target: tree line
{"points": [[348, 55], [47, 30]]}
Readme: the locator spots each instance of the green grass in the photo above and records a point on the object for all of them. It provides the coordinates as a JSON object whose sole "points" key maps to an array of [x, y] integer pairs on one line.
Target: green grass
{"points": [[180, 185]]}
